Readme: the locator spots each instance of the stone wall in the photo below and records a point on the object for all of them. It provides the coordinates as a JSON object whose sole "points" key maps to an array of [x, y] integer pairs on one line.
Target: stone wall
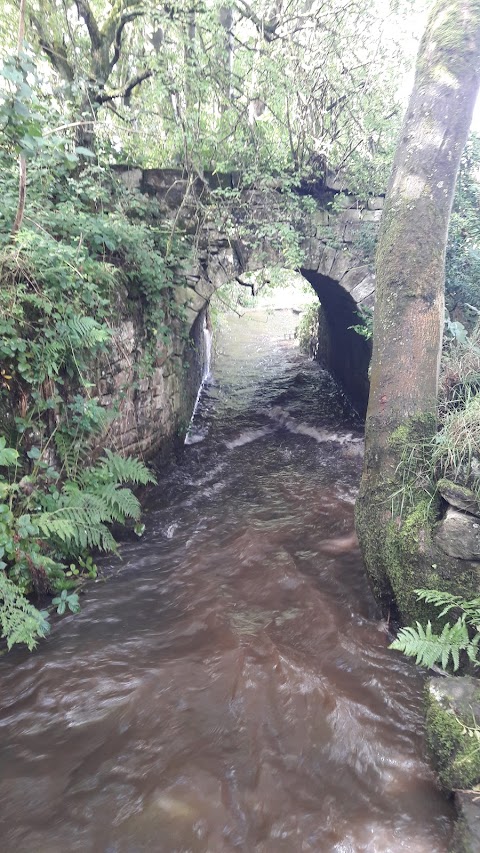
{"points": [[226, 225], [155, 406], [151, 407]]}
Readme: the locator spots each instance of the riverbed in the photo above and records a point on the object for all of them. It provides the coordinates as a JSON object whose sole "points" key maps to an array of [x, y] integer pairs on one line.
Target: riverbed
{"points": [[229, 687]]}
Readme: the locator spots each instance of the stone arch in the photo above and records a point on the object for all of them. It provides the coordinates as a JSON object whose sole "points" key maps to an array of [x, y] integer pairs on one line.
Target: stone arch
{"points": [[332, 261]]}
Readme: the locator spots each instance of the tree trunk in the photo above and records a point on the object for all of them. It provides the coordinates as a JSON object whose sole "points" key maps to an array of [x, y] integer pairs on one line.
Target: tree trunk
{"points": [[409, 309]]}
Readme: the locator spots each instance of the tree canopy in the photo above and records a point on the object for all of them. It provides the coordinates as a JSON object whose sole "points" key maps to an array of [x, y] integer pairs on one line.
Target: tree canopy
{"points": [[264, 87]]}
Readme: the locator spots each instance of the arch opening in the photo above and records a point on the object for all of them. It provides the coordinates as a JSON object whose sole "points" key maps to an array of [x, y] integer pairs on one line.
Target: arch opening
{"points": [[340, 349]]}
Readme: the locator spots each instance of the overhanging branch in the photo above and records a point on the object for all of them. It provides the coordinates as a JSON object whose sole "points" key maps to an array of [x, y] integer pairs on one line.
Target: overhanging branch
{"points": [[126, 90], [84, 10]]}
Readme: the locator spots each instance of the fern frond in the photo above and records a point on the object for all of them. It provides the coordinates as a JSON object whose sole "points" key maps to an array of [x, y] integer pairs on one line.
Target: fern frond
{"points": [[429, 648], [69, 452], [83, 331], [126, 470], [20, 621], [121, 502], [439, 599], [447, 601], [80, 522], [80, 533]]}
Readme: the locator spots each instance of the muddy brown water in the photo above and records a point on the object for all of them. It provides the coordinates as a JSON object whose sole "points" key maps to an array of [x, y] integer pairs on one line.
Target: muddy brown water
{"points": [[230, 689]]}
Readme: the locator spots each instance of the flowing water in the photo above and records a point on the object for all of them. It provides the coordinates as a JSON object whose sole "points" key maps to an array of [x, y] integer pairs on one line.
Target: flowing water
{"points": [[231, 688]]}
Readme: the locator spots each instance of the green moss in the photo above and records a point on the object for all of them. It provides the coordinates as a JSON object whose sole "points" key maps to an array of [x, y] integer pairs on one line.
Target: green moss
{"points": [[407, 563], [455, 755]]}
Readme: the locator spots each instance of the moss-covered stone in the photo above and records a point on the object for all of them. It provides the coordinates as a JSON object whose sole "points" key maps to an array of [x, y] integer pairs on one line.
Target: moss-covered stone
{"points": [[453, 703], [458, 496], [466, 837]]}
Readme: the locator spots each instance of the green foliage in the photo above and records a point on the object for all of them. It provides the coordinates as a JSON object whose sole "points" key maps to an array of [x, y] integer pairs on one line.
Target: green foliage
{"points": [[456, 446], [20, 621], [82, 249], [45, 520], [365, 327], [64, 600], [429, 647], [307, 330], [463, 250], [451, 447]]}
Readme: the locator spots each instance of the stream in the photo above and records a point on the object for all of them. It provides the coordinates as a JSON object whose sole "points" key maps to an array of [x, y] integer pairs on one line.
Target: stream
{"points": [[230, 688]]}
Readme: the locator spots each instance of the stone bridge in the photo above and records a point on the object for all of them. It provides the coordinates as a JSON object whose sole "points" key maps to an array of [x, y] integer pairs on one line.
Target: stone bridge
{"points": [[237, 231]]}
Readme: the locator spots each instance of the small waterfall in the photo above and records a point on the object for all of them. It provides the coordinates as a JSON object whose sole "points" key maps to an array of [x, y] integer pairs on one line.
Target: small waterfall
{"points": [[208, 338], [192, 438]]}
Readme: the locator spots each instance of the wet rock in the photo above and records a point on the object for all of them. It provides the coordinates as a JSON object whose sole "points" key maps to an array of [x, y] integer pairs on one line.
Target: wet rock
{"points": [[452, 704], [458, 535], [459, 496], [466, 837]]}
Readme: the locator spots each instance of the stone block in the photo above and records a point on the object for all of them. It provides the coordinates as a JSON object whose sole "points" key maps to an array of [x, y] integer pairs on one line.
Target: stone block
{"points": [[376, 203], [369, 301], [335, 181], [466, 837], [355, 214], [312, 251], [327, 260], [458, 535], [342, 263], [452, 701], [320, 219], [364, 289], [132, 178], [204, 288], [371, 215], [354, 276], [459, 496], [351, 231], [343, 201]]}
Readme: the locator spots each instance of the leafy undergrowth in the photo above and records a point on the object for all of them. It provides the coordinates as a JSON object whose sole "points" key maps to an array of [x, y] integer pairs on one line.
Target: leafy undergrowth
{"points": [[85, 249], [49, 526]]}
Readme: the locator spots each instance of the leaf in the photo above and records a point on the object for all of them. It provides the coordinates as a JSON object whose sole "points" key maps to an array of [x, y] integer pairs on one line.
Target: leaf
{"points": [[85, 152], [8, 455], [20, 621], [429, 648]]}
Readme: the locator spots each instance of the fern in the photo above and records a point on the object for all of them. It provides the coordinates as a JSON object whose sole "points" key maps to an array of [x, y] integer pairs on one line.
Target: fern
{"points": [[429, 648], [126, 470], [20, 621], [80, 524], [122, 503], [69, 451], [83, 331], [447, 601]]}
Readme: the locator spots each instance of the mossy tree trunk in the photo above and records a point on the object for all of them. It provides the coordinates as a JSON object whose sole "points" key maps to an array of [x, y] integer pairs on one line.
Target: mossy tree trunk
{"points": [[409, 309]]}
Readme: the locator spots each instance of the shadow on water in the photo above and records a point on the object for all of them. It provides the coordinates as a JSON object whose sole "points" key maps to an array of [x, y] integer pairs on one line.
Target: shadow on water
{"points": [[231, 689]]}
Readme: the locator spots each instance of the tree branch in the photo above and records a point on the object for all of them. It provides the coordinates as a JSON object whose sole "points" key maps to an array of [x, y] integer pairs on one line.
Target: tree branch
{"points": [[56, 52], [121, 9], [117, 44], [126, 90], [84, 10]]}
